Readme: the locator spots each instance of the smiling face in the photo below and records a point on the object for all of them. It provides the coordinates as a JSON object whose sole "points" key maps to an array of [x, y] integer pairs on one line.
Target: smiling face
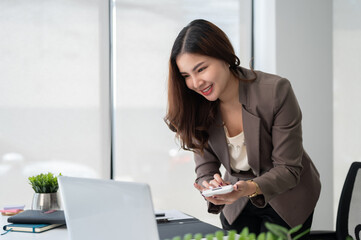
{"points": [[205, 75]]}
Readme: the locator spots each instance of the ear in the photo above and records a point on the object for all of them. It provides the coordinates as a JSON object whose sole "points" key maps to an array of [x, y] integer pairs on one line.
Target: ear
{"points": [[227, 65]]}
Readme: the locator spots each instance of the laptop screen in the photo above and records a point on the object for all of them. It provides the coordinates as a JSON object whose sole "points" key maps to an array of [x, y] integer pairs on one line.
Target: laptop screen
{"points": [[107, 209]]}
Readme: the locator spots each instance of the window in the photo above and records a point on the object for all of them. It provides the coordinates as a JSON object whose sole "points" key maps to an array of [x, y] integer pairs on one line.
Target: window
{"points": [[146, 150], [54, 92], [54, 95]]}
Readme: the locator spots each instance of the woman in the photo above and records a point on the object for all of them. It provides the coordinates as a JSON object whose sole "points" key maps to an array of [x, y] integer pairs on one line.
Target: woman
{"points": [[249, 122]]}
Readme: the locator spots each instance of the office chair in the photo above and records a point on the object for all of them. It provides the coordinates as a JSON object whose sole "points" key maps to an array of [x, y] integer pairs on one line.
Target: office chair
{"points": [[357, 231], [348, 221]]}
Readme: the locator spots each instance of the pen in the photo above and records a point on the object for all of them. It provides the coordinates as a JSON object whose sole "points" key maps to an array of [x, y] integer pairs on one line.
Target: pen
{"points": [[50, 211]]}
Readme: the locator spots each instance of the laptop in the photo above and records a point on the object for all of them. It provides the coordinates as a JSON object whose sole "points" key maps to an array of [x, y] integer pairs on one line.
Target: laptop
{"points": [[106, 209]]}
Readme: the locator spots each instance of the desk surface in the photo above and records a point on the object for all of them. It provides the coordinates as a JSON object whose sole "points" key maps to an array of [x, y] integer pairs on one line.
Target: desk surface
{"points": [[61, 233]]}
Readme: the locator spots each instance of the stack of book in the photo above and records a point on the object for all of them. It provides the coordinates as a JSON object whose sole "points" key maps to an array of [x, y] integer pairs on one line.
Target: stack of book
{"points": [[35, 221]]}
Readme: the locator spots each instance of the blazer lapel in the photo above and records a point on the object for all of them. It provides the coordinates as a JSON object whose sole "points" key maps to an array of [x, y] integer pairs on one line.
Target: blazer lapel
{"points": [[217, 141], [251, 129], [251, 124]]}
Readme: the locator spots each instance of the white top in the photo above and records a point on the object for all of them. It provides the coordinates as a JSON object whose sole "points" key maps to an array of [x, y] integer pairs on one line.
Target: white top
{"points": [[237, 152]]}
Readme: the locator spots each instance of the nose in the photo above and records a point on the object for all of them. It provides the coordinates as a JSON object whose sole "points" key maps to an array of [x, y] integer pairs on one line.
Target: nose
{"points": [[197, 82]]}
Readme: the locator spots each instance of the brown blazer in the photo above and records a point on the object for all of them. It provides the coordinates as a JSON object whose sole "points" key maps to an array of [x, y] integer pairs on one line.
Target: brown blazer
{"points": [[273, 136]]}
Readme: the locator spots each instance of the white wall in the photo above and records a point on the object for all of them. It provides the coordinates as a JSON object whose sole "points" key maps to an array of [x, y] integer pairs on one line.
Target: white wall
{"points": [[294, 40], [347, 88]]}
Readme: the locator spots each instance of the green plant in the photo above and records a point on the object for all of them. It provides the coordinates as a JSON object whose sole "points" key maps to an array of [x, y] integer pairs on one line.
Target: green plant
{"points": [[284, 233], [275, 232], [44, 183]]}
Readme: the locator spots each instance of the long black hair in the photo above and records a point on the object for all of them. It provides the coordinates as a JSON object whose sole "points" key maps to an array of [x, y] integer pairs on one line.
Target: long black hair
{"points": [[189, 114]]}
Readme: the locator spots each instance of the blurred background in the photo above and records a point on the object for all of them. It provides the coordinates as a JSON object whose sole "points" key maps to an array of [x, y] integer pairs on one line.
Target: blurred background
{"points": [[83, 89]]}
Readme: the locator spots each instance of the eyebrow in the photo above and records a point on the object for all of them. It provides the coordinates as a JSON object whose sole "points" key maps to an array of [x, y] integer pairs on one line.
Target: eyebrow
{"points": [[195, 67]]}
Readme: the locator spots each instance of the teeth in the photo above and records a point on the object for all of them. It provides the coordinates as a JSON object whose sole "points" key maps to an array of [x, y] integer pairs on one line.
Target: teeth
{"points": [[205, 90]]}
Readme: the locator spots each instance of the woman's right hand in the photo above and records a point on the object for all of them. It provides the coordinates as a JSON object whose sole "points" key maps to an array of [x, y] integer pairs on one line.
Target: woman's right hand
{"points": [[217, 181]]}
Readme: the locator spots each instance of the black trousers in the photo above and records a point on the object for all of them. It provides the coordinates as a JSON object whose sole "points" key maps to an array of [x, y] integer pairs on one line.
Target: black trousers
{"points": [[255, 218]]}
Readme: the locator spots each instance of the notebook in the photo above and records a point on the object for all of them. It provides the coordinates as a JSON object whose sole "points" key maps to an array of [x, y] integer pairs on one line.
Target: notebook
{"points": [[34, 228], [39, 217], [106, 209]]}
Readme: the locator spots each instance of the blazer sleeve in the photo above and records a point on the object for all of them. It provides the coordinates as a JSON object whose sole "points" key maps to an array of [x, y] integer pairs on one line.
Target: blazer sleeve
{"points": [[287, 150], [207, 165]]}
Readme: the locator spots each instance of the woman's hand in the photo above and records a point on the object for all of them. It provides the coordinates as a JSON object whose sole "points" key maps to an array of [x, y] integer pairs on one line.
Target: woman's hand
{"points": [[216, 182], [241, 189]]}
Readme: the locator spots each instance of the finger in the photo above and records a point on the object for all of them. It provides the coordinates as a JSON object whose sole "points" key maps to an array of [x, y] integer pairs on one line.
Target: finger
{"points": [[215, 200], [227, 198], [199, 187], [219, 198], [218, 178], [205, 184], [239, 186], [214, 183]]}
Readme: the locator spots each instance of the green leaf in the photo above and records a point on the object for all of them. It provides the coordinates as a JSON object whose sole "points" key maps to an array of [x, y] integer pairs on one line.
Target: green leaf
{"points": [[278, 231], [187, 237], [261, 236], [176, 238], [209, 236], [295, 229], [242, 237], [278, 234], [272, 226], [198, 236], [219, 235], [245, 232], [270, 236], [232, 235], [252, 236], [301, 234]]}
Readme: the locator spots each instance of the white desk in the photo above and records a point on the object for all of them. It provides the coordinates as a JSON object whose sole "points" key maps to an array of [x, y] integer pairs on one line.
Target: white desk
{"points": [[59, 233], [54, 234]]}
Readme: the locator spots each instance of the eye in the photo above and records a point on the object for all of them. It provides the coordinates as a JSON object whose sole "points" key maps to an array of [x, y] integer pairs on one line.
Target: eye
{"points": [[185, 76], [201, 69]]}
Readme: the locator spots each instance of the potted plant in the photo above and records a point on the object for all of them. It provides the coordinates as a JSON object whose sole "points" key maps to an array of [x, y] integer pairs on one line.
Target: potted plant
{"points": [[46, 188]]}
